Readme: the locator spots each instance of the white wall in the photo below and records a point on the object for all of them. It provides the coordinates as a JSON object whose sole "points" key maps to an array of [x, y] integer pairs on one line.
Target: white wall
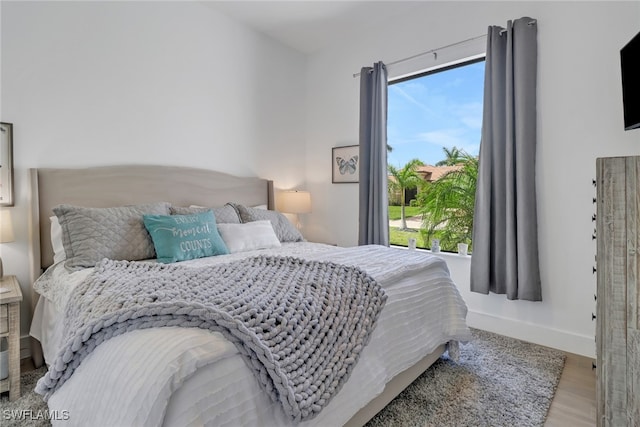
{"points": [[99, 83], [579, 119]]}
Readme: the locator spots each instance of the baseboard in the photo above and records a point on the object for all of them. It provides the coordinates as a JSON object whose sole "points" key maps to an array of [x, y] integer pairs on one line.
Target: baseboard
{"points": [[562, 340]]}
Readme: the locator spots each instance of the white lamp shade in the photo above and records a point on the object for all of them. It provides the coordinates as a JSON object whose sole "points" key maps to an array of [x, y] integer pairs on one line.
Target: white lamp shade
{"points": [[6, 227], [295, 202]]}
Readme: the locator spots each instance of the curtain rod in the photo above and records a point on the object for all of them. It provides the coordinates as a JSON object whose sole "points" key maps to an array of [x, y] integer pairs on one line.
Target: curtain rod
{"points": [[435, 51]]}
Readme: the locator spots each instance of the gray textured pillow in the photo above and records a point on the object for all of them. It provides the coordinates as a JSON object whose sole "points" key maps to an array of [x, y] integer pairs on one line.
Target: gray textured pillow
{"points": [[91, 234], [224, 215], [285, 231]]}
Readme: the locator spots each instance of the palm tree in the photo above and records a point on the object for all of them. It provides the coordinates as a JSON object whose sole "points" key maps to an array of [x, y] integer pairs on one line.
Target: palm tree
{"points": [[453, 156], [403, 179], [447, 205]]}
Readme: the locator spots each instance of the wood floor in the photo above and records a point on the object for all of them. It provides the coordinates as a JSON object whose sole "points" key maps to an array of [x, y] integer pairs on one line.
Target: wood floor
{"points": [[574, 404]]}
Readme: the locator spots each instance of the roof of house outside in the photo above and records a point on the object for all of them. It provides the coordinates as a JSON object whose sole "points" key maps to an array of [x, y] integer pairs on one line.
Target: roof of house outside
{"points": [[434, 173]]}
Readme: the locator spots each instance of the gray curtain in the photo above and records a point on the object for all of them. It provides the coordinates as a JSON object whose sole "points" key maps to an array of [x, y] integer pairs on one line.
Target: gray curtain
{"points": [[505, 230], [374, 214]]}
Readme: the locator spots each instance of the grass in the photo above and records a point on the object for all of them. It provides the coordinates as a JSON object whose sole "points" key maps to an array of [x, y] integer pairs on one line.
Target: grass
{"points": [[409, 211], [401, 238]]}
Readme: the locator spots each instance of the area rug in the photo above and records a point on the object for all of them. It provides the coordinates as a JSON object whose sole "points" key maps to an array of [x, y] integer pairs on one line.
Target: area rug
{"points": [[497, 381], [28, 411]]}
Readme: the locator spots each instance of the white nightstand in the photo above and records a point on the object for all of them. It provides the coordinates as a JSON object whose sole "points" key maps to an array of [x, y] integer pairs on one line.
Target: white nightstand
{"points": [[10, 328]]}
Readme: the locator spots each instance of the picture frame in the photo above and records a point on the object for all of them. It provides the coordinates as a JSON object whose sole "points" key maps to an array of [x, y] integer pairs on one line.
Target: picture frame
{"points": [[6, 164], [346, 165]]}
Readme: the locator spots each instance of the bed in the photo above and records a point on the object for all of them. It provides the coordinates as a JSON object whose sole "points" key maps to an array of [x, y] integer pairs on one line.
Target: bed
{"points": [[189, 376]]}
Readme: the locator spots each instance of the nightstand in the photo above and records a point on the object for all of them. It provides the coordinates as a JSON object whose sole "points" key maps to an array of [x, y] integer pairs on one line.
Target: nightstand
{"points": [[10, 328]]}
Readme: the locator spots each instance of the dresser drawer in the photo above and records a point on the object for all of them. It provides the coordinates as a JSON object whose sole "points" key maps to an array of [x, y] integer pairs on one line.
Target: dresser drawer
{"points": [[4, 319]]}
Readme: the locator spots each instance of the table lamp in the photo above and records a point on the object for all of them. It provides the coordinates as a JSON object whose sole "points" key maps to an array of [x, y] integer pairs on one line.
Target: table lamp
{"points": [[6, 232], [295, 202]]}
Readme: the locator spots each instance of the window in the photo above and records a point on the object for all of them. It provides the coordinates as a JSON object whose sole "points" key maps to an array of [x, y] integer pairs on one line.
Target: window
{"points": [[433, 130]]}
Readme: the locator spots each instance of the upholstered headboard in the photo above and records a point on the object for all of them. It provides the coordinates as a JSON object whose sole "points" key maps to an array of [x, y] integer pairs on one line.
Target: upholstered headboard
{"points": [[131, 184], [126, 185]]}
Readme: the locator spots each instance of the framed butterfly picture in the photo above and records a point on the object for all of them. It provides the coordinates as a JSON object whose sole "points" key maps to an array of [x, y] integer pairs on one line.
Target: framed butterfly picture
{"points": [[346, 166]]}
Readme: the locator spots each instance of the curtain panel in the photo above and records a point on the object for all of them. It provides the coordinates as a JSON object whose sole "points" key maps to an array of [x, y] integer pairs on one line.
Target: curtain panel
{"points": [[373, 196], [505, 234]]}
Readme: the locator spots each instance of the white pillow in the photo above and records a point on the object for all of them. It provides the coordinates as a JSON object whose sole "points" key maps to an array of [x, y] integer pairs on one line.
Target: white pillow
{"points": [[249, 236], [56, 240]]}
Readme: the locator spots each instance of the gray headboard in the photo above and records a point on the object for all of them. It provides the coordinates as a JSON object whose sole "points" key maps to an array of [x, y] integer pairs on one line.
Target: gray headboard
{"points": [[131, 184]]}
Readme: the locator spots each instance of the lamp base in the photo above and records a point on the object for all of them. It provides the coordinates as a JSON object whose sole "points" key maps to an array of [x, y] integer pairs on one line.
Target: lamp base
{"points": [[296, 221]]}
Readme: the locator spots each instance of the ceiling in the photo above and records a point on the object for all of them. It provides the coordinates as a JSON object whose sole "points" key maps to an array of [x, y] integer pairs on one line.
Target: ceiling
{"points": [[309, 26]]}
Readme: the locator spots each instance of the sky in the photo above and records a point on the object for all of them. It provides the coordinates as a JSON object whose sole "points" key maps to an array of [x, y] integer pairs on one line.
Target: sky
{"points": [[438, 110]]}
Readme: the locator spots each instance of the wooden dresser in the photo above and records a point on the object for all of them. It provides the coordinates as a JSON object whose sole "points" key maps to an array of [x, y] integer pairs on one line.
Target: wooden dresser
{"points": [[618, 293]]}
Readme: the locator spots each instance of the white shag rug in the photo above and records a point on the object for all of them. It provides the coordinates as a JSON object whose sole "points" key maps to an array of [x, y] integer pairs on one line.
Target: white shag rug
{"points": [[498, 381]]}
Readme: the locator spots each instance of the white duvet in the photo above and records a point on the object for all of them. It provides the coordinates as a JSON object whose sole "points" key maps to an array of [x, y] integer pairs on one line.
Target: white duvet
{"points": [[191, 377]]}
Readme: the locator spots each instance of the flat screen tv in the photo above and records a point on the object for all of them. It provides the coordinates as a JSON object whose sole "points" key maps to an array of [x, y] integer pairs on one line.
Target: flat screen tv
{"points": [[630, 62]]}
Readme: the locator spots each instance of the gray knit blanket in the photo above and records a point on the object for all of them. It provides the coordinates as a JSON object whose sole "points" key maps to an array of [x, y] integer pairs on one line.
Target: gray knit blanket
{"points": [[299, 325]]}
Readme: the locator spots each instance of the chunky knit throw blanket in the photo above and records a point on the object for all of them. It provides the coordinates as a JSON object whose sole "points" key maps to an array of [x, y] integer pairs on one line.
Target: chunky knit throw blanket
{"points": [[300, 325]]}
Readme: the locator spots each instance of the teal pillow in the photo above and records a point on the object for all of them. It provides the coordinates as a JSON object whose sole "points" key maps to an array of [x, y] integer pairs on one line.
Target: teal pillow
{"points": [[183, 237]]}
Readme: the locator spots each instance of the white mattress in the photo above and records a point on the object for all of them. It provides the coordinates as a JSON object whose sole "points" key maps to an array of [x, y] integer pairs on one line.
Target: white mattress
{"points": [[190, 377]]}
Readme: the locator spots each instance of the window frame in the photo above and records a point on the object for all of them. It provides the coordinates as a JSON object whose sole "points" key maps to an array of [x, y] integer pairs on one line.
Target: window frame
{"points": [[443, 67]]}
